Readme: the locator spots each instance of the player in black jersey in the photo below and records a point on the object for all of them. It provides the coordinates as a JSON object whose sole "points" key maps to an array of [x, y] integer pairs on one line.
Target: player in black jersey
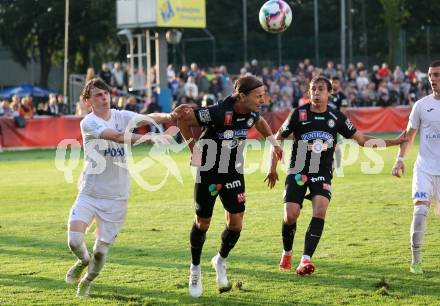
{"points": [[314, 127], [339, 101], [218, 156]]}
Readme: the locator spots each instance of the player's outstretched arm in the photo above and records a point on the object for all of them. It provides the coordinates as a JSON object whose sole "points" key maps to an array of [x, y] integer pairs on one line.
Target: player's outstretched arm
{"points": [[363, 139], [112, 135], [159, 118], [399, 165], [272, 176]]}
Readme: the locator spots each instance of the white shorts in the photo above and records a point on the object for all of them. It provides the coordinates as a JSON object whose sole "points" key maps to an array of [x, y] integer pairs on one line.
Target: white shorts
{"points": [[425, 187], [109, 215]]}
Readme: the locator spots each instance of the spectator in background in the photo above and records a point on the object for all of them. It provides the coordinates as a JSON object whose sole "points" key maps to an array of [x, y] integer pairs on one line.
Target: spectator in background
{"points": [[6, 110], [26, 109], [90, 74], [183, 74], [81, 108], [118, 76], [362, 80], [384, 71], [375, 77], [62, 105], [203, 83], [254, 69], [53, 109], [171, 73], [42, 109], [121, 103], [15, 106], [330, 71], [105, 74], [191, 89], [398, 75], [114, 101], [132, 104]]}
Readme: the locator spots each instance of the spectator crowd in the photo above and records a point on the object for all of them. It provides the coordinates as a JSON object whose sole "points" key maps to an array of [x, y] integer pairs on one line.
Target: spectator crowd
{"points": [[286, 86]]}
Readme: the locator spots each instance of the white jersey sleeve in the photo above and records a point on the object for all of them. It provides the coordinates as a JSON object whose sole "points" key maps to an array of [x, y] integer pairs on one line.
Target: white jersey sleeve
{"points": [[414, 117], [91, 128]]}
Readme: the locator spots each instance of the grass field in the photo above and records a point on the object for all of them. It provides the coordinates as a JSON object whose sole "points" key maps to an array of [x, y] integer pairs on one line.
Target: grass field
{"points": [[363, 257]]}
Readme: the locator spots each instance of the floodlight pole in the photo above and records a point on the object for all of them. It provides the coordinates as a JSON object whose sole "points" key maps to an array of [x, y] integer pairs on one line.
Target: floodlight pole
{"points": [[343, 56], [148, 51], [245, 49], [66, 50], [316, 22]]}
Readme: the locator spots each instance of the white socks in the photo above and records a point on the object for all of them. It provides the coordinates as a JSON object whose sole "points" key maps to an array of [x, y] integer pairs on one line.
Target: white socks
{"points": [[100, 251], [76, 244], [417, 233]]}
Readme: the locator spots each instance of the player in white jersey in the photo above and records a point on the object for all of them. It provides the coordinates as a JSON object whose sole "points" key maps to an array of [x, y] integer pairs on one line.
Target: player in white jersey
{"points": [[105, 183], [425, 117]]}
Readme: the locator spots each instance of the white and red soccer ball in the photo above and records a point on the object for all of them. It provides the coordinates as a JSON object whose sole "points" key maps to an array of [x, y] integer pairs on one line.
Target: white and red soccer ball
{"points": [[275, 16]]}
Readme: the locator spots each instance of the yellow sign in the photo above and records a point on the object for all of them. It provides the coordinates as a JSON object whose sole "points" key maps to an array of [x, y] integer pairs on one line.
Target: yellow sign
{"points": [[181, 13]]}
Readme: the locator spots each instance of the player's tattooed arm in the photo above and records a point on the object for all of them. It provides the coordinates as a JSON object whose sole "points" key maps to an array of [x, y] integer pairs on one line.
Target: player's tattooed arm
{"points": [[185, 124]]}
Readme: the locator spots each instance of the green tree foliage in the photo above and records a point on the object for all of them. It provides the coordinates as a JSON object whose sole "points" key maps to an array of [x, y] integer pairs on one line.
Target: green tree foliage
{"points": [[36, 28], [394, 16]]}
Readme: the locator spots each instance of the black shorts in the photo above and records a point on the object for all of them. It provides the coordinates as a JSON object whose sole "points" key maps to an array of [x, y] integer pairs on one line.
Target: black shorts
{"points": [[230, 187], [296, 186]]}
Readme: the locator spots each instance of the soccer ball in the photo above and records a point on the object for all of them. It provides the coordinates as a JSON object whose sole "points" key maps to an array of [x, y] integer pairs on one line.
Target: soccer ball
{"points": [[275, 16]]}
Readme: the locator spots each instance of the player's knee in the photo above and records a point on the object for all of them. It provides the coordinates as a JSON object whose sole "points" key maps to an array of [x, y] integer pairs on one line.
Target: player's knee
{"points": [[319, 213], [75, 240], [236, 227], [202, 223], [100, 250]]}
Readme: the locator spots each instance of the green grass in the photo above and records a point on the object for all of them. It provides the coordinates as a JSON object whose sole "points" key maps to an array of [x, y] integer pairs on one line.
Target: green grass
{"points": [[363, 257]]}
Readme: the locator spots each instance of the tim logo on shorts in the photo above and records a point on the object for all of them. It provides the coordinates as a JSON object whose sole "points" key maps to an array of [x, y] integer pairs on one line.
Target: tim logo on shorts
{"points": [[232, 185]]}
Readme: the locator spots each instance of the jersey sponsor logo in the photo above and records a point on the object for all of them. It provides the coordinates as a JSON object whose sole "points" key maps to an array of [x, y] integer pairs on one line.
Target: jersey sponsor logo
{"points": [[305, 122], [317, 146], [430, 110], [241, 197], [331, 123], [229, 134], [300, 179], [228, 118], [204, 115], [302, 115], [114, 152], [317, 179], [241, 119], [250, 122], [317, 135], [232, 185], [214, 189], [420, 195], [349, 124], [319, 118], [433, 136]]}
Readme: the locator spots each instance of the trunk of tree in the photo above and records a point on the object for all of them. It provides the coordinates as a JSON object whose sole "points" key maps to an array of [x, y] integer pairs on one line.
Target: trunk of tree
{"points": [[45, 61]]}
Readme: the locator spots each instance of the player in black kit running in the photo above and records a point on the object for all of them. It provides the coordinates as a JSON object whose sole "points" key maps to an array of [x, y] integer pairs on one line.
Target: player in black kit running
{"points": [[314, 127], [218, 156]]}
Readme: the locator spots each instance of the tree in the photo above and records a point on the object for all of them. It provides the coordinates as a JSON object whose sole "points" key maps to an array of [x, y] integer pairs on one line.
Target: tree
{"points": [[394, 16], [33, 29]]}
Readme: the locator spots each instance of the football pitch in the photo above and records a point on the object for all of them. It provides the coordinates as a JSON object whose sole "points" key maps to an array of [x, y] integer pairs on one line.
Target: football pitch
{"points": [[363, 257]]}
